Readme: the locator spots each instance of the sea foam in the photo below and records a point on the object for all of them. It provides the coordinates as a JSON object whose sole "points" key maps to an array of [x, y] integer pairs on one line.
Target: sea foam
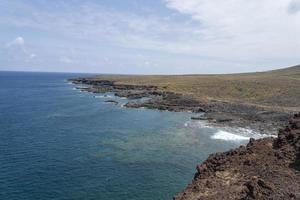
{"points": [[103, 96], [224, 135], [228, 133]]}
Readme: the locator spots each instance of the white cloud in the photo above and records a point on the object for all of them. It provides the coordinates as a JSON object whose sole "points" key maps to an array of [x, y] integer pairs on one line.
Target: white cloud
{"points": [[32, 55], [95, 23], [17, 50], [243, 28], [240, 30], [211, 33], [65, 59], [18, 41], [147, 62]]}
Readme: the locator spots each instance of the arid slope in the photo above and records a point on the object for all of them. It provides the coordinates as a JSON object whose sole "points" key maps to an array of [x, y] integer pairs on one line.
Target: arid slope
{"points": [[278, 89]]}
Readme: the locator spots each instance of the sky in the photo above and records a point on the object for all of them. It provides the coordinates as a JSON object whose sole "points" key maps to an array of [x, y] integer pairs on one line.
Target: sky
{"points": [[149, 37]]}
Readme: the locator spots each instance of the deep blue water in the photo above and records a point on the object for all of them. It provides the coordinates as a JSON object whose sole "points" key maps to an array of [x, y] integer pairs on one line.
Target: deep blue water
{"points": [[59, 143]]}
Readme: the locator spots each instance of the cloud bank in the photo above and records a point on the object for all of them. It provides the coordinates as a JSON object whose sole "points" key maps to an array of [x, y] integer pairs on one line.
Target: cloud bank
{"points": [[170, 36], [257, 29]]}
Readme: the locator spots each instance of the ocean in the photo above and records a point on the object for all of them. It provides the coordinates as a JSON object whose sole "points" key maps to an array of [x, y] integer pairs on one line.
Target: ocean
{"points": [[59, 143]]}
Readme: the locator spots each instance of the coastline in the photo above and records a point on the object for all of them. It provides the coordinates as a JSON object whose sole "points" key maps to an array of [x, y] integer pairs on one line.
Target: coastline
{"points": [[267, 167], [216, 113]]}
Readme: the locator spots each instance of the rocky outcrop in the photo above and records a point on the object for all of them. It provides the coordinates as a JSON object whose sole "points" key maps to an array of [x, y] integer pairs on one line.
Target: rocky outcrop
{"points": [[264, 169]]}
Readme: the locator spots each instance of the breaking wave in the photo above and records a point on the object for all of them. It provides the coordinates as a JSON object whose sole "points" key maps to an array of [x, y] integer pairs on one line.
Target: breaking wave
{"points": [[223, 135], [228, 133]]}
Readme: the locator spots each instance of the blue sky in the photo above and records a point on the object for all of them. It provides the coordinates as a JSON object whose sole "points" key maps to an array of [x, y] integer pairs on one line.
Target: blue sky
{"points": [[149, 37]]}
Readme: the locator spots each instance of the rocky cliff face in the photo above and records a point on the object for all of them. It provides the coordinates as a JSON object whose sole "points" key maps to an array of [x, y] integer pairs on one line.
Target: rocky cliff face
{"points": [[264, 169]]}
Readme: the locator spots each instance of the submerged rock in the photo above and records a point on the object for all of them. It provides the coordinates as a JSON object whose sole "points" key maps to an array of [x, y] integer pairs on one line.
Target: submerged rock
{"points": [[111, 101]]}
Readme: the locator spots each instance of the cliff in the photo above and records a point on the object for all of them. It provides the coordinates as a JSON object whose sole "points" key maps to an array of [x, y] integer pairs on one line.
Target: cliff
{"points": [[264, 169]]}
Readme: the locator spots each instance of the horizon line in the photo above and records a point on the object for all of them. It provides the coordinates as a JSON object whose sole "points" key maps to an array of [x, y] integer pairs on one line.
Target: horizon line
{"points": [[140, 74]]}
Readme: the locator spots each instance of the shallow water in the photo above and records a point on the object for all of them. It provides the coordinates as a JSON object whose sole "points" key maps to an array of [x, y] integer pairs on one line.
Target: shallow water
{"points": [[59, 143]]}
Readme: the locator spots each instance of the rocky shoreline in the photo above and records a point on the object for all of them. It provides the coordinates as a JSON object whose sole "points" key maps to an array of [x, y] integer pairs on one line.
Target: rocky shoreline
{"points": [[267, 168], [218, 113]]}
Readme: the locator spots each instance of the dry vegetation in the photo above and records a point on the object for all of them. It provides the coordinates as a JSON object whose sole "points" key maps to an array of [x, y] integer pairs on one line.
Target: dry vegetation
{"points": [[277, 89]]}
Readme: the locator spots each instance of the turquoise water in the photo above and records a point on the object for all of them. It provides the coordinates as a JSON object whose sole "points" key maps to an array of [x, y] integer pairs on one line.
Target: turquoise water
{"points": [[59, 143]]}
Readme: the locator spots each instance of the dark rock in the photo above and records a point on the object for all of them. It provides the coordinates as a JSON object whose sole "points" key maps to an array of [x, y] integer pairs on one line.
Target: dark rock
{"points": [[200, 118], [223, 113], [111, 101], [221, 120], [265, 169]]}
